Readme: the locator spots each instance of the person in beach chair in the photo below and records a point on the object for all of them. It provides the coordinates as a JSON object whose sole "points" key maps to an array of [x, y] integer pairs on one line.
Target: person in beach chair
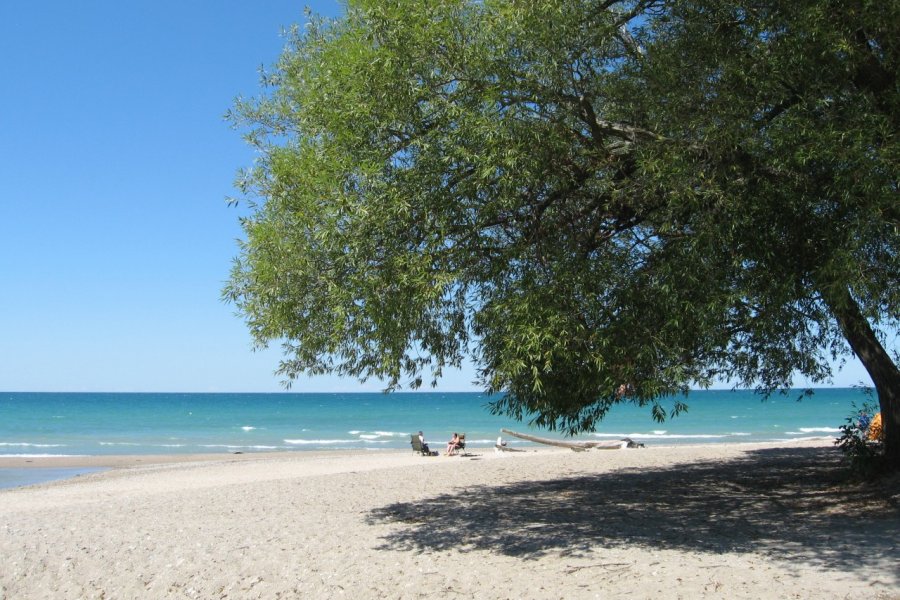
{"points": [[417, 440], [456, 443]]}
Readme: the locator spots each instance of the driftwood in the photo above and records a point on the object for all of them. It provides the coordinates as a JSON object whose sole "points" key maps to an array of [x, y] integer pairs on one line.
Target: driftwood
{"points": [[576, 446]]}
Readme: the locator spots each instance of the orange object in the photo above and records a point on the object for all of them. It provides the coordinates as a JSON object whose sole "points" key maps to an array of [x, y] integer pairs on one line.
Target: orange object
{"points": [[876, 431]]}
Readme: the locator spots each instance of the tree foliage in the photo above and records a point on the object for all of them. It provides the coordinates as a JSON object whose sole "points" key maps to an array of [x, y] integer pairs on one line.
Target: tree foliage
{"points": [[598, 201]]}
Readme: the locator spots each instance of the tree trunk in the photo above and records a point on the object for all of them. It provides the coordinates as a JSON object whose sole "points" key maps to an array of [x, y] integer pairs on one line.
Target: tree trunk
{"points": [[884, 373]]}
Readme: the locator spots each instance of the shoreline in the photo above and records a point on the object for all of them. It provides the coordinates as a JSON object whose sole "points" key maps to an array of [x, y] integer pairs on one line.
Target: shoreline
{"points": [[113, 461], [704, 521], [17, 472]]}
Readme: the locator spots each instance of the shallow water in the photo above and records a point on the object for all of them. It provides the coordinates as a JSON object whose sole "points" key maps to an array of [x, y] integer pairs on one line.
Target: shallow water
{"points": [[11, 478]]}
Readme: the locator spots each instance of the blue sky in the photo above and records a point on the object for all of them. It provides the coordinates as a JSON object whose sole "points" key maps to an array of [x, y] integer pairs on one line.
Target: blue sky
{"points": [[115, 239]]}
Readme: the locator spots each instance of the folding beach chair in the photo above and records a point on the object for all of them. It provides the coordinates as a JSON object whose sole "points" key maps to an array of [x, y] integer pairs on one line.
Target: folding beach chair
{"points": [[461, 446], [418, 446]]}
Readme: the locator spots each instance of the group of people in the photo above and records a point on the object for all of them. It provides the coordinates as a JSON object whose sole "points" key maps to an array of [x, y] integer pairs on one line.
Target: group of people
{"points": [[452, 446]]}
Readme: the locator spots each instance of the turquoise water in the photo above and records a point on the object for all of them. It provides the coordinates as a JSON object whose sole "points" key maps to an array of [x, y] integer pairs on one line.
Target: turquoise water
{"points": [[66, 424]]}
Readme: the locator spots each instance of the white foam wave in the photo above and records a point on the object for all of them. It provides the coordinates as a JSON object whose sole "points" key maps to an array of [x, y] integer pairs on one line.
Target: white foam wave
{"points": [[320, 442], [667, 436], [248, 428], [39, 455], [240, 447], [679, 437], [371, 435], [31, 445], [819, 430]]}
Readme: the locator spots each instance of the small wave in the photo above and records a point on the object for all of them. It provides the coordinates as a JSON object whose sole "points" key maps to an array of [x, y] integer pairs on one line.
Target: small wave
{"points": [[808, 430], [118, 443], [739, 433], [31, 445], [656, 436], [39, 455], [679, 436], [371, 435], [248, 428], [240, 447], [320, 442]]}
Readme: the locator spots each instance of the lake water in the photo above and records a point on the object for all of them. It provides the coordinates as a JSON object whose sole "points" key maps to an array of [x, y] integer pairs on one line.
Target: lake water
{"points": [[54, 424]]}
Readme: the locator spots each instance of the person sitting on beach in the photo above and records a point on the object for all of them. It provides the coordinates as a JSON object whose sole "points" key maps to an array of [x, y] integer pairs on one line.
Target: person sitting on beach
{"points": [[453, 444], [425, 449]]}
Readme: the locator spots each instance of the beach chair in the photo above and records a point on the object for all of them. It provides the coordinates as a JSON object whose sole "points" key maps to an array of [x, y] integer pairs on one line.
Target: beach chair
{"points": [[417, 445], [461, 446]]}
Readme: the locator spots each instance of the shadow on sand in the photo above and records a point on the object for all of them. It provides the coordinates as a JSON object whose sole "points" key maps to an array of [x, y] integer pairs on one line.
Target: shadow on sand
{"points": [[789, 504]]}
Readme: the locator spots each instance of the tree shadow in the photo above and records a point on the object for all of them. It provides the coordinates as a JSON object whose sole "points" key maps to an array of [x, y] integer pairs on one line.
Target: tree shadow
{"points": [[791, 504]]}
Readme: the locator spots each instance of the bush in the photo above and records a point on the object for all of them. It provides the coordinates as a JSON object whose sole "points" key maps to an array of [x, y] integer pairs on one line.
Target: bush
{"points": [[864, 456]]}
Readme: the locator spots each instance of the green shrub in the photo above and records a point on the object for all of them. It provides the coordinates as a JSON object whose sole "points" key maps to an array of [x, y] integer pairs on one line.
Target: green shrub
{"points": [[864, 456]]}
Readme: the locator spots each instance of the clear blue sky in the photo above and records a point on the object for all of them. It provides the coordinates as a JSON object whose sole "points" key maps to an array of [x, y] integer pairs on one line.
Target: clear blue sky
{"points": [[115, 239]]}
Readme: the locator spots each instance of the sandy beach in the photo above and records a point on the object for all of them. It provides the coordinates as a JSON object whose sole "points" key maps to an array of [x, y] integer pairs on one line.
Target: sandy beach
{"points": [[713, 521]]}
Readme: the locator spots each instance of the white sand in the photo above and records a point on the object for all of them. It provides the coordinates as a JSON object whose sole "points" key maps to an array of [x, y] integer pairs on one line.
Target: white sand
{"points": [[717, 521]]}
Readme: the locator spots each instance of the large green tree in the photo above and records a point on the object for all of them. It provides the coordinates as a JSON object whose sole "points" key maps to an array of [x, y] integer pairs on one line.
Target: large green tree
{"points": [[597, 201]]}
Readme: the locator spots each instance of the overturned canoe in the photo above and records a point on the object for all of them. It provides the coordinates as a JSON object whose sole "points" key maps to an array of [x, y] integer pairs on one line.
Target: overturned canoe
{"points": [[576, 446]]}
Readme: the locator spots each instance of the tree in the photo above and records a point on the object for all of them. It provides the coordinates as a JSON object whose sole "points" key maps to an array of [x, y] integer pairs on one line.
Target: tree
{"points": [[598, 201]]}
